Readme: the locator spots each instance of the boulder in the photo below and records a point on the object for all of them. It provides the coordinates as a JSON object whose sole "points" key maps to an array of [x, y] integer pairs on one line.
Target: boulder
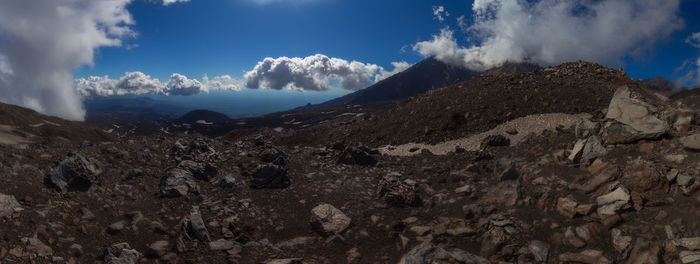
{"points": [[194, 227], [427, 252], [329, 219], [201, 171], [75, 173], [274, 156], [691, 142], [177, 182], [270, 177], [398, 192], [8, 205], [636, 117], [593, 149]]}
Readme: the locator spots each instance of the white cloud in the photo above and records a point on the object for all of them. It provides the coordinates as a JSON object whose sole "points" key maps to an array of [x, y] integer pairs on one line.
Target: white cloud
{"points": [[398, 67], [439, 13], [549, 32], [167, 2], [140, 83], [45, 40], [317, 73], [694, 40], [223, 83]]}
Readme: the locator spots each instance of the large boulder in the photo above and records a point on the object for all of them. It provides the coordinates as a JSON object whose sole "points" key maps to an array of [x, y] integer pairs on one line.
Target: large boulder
{"points": [[8, 205], [631, 119], [177, 182], [270, 177], [75, 173], [202, 171], [328, 219], [427, 253]]}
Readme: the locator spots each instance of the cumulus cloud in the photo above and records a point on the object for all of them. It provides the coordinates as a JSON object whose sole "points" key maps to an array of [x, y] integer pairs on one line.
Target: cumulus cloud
{"points": [[549, 32], [694, 40], [45, 40], [439, 13], [317, 73], [140, 83]]}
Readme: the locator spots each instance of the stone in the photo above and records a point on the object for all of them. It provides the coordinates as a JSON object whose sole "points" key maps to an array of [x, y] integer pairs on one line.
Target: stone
{"points": [[675, 158], [691, 142], [593, 149], [620, 242], [201, 171], [38, 247], [177, 182], [506, 193], [605, 175], [116, 227], [672, 175], [505, 169], [427, 252], [194, 227], [692, 243], [353, 255], [539, 250], [466, 189], [87, 214], [274, 156], [285, 261], [492, 240], [636, 116], [644, 175], [567, 207], [9, 205], [588, 256], [612, 202], [121, 253], [75, 173], [684, 117], [577, 151], [227, 182], [684, 180], [689, 256], [356, 156], [495, 141], [76, 250], [221, 245], [328, 219], [398, 192], [270, 177], [134, 173], [573, 239], [644, 252], [158, 249]]}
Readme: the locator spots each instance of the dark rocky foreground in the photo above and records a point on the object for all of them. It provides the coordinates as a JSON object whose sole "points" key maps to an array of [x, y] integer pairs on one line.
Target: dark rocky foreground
{"points": [[620, 186]]}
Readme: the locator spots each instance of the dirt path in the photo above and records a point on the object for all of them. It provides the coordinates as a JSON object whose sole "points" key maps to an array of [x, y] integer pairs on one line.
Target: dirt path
{"points": [[533, 124]]}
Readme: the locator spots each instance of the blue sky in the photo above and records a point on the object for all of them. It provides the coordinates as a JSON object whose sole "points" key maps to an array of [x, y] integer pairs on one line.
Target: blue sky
{"points": [[218, 37], [56, 53]]}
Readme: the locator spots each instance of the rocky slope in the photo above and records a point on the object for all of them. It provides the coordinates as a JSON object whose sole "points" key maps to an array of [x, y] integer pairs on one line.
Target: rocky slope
{"points": [[619, 184]]}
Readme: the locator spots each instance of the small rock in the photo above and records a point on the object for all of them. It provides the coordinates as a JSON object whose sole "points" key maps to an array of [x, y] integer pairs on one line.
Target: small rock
{"points": [[270, 177], [75, 173], [134, 173], [329, 219], [87, 214], [194, 227], [221, 244], [427, 252], [158, 249], [573, 239], [121, 253], [398, 192], [567, 207], [177, 182], [644, 252], [8, 205], [505, 170], [353, 255], [677, 158], [611, 203], [691, 142], [38, 247], [621, 243], [671, 175], [689, 256], [227, 182], [76, 250], [201, 171], [539, 250], [684, 181], [588, 256], [116, 227]]}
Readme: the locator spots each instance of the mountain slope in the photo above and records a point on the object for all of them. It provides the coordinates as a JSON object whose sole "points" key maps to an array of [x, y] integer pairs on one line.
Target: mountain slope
{"points": [[424, 76]]}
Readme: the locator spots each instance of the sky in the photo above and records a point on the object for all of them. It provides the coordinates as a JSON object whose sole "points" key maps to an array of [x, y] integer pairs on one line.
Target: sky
{"points": [[54, 54]]}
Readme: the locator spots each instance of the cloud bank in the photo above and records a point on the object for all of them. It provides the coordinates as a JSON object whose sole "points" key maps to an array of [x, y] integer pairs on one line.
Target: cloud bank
{"points": [[316, 73], [693, 40], [140, 83], [548, 32]]}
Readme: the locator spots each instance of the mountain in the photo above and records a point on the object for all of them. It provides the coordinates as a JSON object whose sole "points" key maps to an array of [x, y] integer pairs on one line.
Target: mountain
{"points": [[203, 116], [660, 85], [419, 78]]}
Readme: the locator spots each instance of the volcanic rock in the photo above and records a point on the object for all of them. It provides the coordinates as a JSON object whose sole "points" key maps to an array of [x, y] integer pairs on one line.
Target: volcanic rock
{"points": [[270, 177], [202, 171], [356, 156], [274, 156], [329, 219], [427, 252], [611, 203], [588, 256], [8, 205], [75, 173], [227, 181], [398, 192], [158, 249], [691, 142], [644, 175], [121, 253], [620, 242], [194, 227], [505, 169], [635, 116], [644, 252], [177, 182]]}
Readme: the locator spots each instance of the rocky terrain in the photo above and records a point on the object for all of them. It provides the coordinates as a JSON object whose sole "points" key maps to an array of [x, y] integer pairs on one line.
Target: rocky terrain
{"points": [[571, 164]]}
